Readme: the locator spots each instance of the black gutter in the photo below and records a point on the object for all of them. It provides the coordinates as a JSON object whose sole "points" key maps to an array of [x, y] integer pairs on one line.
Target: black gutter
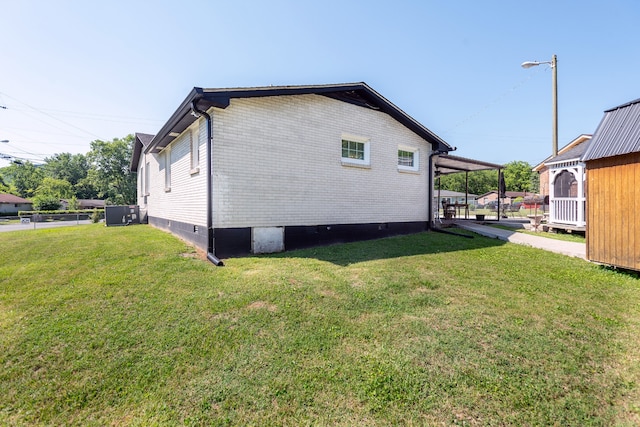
{"points": [[210, 246]]}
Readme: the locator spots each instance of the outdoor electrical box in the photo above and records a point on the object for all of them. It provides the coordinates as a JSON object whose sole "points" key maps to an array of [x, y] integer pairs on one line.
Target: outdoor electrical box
{"points": [[121, 215]]}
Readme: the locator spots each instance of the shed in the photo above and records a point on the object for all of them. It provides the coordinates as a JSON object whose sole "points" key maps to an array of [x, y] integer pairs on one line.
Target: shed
{"points": [[613, 188]]}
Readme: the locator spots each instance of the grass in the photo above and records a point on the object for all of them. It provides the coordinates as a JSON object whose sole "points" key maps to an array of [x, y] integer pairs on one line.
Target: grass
{"points": [[567, 237], [128, 326]]}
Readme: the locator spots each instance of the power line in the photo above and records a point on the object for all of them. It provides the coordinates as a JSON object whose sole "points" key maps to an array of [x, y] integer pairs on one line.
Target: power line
{"points": [[100, 117], [495, 101], [53, 117]]}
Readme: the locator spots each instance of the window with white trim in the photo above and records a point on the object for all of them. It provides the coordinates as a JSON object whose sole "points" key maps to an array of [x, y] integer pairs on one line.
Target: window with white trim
{"points": [[167, 169], [141, 181], [355, 150], [146, 179], [408, 159], [195, 151]]}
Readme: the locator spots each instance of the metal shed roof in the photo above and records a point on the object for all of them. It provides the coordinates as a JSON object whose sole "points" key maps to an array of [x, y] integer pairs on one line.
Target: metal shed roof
{"points": [[618, 133]]}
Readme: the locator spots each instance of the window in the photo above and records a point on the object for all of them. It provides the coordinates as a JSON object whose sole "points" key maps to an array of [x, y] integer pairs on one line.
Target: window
{"points": [[355, 151], [141, 181], [195, 151], [352, 150], [565, 185], [146, 179], [167, 169], [408, 159], [405, 158]]}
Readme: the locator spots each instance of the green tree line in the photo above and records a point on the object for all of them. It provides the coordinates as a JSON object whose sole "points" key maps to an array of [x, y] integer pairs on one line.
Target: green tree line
{"points": [[102, 173], [518, 176]]}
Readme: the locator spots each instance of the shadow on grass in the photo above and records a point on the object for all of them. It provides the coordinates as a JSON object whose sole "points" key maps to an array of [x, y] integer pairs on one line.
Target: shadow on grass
{"points": [[428, 242]]}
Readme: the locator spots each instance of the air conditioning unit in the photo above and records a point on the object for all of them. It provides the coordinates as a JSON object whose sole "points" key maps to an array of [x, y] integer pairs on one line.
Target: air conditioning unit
{"points": [[121, 215]]}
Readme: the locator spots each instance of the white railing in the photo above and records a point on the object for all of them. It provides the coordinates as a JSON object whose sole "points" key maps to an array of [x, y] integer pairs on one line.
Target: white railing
{"points": [[565, 210]]}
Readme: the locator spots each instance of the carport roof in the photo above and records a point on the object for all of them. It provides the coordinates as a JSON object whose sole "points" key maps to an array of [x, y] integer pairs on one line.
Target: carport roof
{"points": [[446, 164]]}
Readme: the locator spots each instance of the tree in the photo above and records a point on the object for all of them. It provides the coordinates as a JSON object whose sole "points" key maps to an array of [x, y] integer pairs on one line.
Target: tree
{"points": [[49, 192], [46, 203], [23, 178], [4, 187], [109, 172], [518, 176], [479, 182], [52, 187], [74, 169], [70, 167]]}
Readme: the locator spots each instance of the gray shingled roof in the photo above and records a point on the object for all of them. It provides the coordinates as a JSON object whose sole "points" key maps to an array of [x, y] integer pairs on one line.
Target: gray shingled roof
{"points": [[618, 133], [572, 154], [140, 143]]}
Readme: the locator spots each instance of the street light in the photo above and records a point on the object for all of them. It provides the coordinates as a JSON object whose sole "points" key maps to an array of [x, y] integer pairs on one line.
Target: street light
{"points": [[5, 141], [554, 87]]}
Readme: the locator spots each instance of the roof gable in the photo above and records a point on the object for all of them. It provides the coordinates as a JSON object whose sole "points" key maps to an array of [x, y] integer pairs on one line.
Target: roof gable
{"points": [[354, 93], [574, 153], [618, 133], [140, 143], [573, 150]]}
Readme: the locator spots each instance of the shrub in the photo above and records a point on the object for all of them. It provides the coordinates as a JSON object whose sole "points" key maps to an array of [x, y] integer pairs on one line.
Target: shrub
{"points": [[46, 203], [96, 215]]}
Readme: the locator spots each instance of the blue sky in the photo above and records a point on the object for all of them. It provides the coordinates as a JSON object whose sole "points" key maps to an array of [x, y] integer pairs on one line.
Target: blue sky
{"points": [[75, 71]]}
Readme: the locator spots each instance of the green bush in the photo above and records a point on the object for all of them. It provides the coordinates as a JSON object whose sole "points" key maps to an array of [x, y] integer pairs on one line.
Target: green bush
{"points": [[46, 203], [97, 215]]}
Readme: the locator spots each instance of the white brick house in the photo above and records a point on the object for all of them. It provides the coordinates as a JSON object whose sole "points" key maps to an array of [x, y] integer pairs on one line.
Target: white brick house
{"points": [[291, 166]]}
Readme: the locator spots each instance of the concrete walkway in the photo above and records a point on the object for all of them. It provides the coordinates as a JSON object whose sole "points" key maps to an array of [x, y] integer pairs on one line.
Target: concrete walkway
{"points": [[573, 249]]}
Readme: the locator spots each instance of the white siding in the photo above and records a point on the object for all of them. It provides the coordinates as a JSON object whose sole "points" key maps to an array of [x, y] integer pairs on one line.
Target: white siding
{"points": [[15, 207], [277, 161]]}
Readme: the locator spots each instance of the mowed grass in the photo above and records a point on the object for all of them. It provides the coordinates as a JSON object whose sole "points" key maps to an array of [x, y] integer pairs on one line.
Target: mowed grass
{"points": [[129, 326], [560, 235]]}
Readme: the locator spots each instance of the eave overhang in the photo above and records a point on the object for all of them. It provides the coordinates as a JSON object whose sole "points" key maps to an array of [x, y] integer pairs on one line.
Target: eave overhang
{"points": [[140, 142], [354, 93]]}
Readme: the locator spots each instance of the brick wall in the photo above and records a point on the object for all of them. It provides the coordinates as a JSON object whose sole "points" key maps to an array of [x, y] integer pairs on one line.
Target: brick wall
{"points": [[277, 162], [544, 181]]}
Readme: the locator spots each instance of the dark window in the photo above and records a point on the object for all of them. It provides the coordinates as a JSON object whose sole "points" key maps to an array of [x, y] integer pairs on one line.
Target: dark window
{"points": [[565, 185]]}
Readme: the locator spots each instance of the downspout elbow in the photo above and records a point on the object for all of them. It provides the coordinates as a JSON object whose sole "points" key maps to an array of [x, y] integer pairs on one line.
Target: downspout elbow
{"points": [[211, 256]]}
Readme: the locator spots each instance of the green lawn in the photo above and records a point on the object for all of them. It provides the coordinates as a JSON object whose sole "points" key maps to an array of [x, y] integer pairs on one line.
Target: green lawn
{"points": [[128, 326], [567, 237]]}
